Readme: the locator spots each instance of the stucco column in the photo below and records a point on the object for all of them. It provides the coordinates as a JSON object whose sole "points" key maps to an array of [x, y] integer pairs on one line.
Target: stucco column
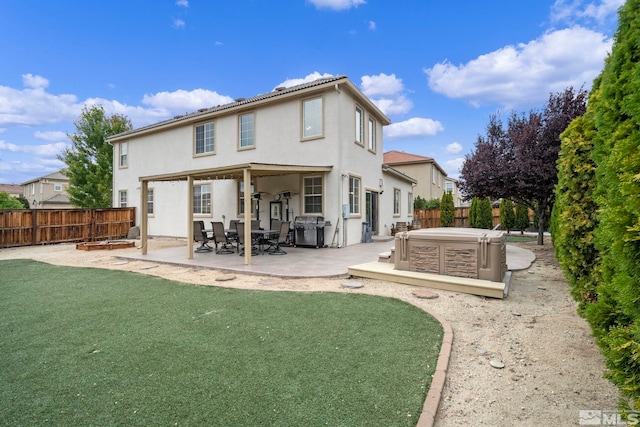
{"points": [[144, 215], [247, 216], [190, 216]]}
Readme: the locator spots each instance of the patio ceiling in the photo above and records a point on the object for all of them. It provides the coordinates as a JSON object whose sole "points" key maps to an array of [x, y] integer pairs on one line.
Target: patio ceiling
{"points": [[256, 170]]}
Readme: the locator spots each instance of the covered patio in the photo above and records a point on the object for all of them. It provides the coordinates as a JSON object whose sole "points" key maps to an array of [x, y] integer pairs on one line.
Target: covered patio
{"points": [[241, 172], [298, 263]]}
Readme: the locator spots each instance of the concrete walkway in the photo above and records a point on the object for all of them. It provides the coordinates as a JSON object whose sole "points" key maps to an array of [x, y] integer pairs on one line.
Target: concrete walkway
{"points": [[299, 262]]}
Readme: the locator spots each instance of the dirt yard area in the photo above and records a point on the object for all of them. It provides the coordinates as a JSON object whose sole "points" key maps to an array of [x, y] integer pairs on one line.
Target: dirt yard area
{"points": [[552, 367]]}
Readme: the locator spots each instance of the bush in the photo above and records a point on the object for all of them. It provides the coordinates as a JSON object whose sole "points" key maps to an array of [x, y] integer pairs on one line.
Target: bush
{"points": [[485, 214]]}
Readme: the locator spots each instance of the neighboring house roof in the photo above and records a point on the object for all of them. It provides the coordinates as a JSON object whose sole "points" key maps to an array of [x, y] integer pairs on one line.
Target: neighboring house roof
{"points": [[15, 189], [397, 158], [58, 176], [398, 174], [58, 199], [242, 103]]}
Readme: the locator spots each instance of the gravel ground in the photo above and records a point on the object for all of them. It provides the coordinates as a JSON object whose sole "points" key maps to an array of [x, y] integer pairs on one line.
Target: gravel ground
{"points": [[552, 367]]}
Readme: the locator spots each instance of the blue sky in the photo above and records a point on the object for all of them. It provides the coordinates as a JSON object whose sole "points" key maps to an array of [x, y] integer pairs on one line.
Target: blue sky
{"points": [[437, 69]]}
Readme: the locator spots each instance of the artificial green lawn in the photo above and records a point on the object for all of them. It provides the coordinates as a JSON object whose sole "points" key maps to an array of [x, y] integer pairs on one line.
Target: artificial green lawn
{"points": [[84, 346]]}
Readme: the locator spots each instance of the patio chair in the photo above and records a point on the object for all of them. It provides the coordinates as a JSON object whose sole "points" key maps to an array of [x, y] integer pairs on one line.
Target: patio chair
{"points": [[241, 241], [274, 244], [200, 236], [255, 224], [221, 238]]}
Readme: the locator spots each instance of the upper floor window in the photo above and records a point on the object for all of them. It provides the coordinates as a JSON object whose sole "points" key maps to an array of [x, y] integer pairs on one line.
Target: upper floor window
{"points": [[246, 123], [312, 118], [409, 203], [33, 188], [124, 150], [354, 195], [359, 126], [372, 135], [396, 201], [312, 197], [122, 196], [57, 186], [204, 138], [448, 186], [41, 187], [202, 199], [150, 201]]}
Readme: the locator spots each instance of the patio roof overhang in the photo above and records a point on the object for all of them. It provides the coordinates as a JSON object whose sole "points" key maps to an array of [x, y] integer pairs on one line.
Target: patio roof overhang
{"points": [[243, 171], [236, 171]]}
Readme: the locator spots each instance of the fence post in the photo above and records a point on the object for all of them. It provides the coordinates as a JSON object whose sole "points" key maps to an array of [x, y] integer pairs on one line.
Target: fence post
{"points": [[34, 226]]}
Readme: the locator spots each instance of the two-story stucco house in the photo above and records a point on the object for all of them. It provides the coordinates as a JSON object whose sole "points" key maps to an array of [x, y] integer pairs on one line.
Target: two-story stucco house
{"points": [[432, 180], [313, 150], [47, 192]]}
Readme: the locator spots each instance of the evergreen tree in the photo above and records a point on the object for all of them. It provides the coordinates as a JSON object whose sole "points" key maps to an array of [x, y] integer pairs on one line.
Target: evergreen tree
{"points": [[90, 159], [574, 213], [522, 221], [447, 210], [615, 317], [473, 213], [507, 215], [485, 213]]}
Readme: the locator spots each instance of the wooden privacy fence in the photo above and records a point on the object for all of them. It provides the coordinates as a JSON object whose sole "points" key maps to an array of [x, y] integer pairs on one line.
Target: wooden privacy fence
{"points": [[430, 218], [25, 227]]}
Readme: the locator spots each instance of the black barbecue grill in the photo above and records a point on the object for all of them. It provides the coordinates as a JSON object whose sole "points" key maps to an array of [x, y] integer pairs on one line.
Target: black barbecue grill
{"points": [[309, 231]]}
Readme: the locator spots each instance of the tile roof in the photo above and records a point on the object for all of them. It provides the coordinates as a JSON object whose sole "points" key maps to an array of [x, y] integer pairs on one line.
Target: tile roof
{"points": [[279, 91], [397, 157], [11, 188], [55, 175]]}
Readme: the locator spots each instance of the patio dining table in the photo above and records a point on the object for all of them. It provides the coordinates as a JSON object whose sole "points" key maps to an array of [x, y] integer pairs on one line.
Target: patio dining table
{"points": [[260, 235]]}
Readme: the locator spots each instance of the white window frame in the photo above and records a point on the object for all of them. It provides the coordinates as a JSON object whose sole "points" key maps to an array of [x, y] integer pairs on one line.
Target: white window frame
{"points": [[123, 155], [207, 132], [451, 190], [396, 201], [202, 199], [57, 186], [409, 203], [122, 198], [247, 131], [359, 116], [312, 118], [355, 195], [241, 198], [41, 187], [33, 188], [371, 141], [312, 191], [150, 202]]}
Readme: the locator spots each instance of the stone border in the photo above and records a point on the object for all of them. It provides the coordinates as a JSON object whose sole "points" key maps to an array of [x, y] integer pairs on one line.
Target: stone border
{"points": [[432, 401]]}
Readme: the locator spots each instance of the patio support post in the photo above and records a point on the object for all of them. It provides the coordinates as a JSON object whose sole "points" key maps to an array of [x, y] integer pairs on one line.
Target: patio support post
{"points": [[246, 174], [190, 216], [144, 215]]}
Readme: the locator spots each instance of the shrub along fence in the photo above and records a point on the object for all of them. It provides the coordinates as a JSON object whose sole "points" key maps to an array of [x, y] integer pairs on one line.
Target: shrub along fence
{"points": [[430, 218], [25, 227]]}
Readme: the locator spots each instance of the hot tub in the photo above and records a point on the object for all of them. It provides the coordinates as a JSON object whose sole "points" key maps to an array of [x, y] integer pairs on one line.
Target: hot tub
{"points": [[461, 252]]}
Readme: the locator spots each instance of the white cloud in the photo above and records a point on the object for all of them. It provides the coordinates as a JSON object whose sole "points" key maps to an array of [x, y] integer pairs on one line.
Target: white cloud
{"points": [[386, 91], [413, 127], [454, 166], [308, 78], [34, 105], [525, 75], [183, 3], [453, 148], [186, 100], [382, 84], [336, 4], [573, 11], [34, 82], [51, 135], [44, 150], [372, 25], [178, 23]]}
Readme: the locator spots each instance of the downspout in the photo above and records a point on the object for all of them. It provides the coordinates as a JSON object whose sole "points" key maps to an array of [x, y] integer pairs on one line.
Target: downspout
{"points": [[342, 230]]}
